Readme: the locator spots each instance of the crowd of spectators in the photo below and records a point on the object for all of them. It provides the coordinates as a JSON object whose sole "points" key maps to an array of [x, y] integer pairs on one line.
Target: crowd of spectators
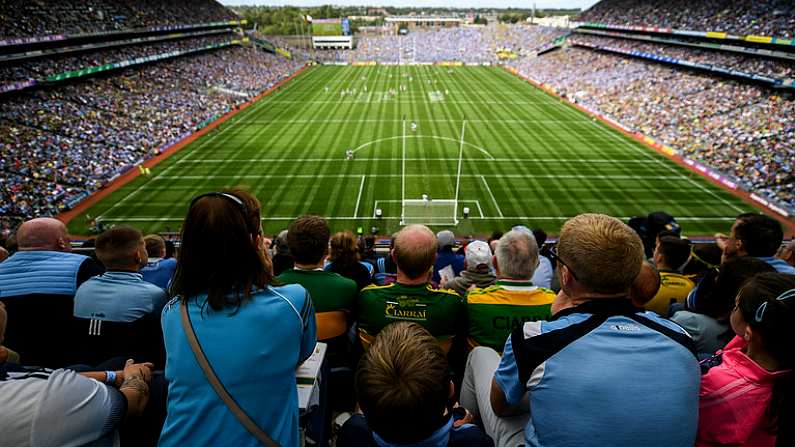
{"points": [[407, 361], [44, 67], [778, 68], [740, 129], [23, 18], [775, 18], [63, 142], [462, 44]]}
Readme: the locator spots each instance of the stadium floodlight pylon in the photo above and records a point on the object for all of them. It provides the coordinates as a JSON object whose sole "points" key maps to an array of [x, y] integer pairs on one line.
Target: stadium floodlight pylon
{"points": [[429, 210]]}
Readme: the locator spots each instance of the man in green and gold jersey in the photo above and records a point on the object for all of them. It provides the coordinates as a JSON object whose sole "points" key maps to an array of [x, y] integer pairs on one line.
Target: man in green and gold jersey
{"points": [[411, 297], [494, 312]]}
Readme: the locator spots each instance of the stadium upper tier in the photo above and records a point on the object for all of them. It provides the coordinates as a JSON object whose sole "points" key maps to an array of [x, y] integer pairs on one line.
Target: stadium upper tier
{"points": [[775, 18], [28, 18]]}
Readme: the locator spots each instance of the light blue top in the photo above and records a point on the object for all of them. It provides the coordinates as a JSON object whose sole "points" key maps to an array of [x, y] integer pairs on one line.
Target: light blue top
{"points": [[40, 272], [542, 277], [254, 350], [118, 296], [780, 265], [603, 379]]}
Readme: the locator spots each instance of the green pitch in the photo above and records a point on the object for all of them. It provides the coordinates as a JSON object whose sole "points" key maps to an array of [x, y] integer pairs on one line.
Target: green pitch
{"points": [[526, 158]]}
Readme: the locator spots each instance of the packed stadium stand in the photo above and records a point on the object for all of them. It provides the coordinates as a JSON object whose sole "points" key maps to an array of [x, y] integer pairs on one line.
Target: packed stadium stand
{"points": [[637, 334]]}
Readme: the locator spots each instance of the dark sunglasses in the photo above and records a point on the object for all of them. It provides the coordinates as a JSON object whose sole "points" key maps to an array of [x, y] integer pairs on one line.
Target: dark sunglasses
{"points": [[553, 253]]}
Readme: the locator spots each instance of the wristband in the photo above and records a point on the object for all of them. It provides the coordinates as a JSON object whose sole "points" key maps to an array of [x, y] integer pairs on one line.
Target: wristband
{"points": [[110, 377]]}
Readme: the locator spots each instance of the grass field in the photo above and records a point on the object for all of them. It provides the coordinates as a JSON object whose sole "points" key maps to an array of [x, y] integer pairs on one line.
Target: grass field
{"points": [[527, 158]]}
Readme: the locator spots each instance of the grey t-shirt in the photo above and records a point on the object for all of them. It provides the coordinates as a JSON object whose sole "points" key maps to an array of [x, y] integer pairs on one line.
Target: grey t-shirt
{"points": [[709, 334], [60, 408]]}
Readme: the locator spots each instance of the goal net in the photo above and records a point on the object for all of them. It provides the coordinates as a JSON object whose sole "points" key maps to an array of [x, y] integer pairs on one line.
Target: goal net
{"points": [[429, 212]]}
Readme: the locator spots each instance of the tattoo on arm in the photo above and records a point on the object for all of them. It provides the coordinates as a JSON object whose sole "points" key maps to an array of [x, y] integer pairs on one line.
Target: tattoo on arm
{"points": [[137, 383]]}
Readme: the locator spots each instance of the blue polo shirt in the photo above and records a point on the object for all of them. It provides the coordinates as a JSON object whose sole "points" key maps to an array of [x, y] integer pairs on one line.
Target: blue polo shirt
{"points": [[119, 296], [159, 271], [254, 350], [603, 373]]}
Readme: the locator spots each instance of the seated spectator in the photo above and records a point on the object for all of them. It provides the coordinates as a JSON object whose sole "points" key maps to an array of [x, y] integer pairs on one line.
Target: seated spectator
{"points": [[645, 286], [417, 412], [282, 260], [447, 256], [344, 259], [670, 256], [308, 239], [787, 253], [746, 398], [478, 269], [37, 286], [494, 312], [710, 304], [598, 259], [253, 334], [6, 355], [411, 296], [158, 269], [545, 273], [755, 235], [120, 294], [64, 407], [703, 259]]}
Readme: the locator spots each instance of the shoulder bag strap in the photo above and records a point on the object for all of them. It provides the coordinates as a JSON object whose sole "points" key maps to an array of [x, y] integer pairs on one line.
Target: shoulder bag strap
{"points": [[228, 400]]}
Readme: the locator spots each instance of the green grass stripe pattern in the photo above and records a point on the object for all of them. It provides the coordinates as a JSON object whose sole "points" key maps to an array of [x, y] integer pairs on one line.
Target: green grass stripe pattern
{"points": [[528, 158]]}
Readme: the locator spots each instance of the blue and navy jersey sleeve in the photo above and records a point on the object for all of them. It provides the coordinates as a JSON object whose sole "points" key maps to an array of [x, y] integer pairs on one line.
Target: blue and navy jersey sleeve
{"points": [[507, 376], [309, 329]]}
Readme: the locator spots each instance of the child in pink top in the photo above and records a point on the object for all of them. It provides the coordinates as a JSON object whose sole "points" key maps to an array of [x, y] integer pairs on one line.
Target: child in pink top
{"points": [[743, 399]]}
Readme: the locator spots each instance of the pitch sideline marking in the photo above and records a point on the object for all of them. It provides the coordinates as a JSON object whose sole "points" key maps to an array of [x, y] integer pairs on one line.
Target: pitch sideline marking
{"points": [[359, 197], [493, 200]]}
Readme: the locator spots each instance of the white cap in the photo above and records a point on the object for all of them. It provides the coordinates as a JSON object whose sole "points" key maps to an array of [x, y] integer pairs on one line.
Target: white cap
{"points": [[477, 253]]}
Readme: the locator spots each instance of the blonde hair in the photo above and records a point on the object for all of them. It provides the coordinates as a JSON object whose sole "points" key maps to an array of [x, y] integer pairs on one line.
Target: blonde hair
{"points": [[604, 254]]}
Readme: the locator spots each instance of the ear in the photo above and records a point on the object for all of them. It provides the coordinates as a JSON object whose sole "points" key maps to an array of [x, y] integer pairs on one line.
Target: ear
{"points": [[451, 392], [748, 333], [496, 266]]}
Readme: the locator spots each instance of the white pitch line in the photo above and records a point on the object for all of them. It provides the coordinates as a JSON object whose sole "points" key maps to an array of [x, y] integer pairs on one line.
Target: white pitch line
{"points": [[175, 219], [359, 197], [519, 176], [496, 205], [367, 160]]}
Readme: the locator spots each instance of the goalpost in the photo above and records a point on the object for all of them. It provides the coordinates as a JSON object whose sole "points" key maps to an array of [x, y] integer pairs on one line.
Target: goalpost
{"points": [[430, 211]]}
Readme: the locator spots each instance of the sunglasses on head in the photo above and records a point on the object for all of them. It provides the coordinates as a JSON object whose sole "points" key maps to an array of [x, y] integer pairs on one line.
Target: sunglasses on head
{"points": [[760, 311]]}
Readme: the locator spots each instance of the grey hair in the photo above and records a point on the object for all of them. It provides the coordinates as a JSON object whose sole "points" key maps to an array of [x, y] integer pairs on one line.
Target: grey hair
{"points": [[517, 255]]}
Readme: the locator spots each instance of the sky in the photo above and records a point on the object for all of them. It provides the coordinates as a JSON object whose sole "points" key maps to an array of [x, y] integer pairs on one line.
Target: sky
{"points": [[424, 3]]}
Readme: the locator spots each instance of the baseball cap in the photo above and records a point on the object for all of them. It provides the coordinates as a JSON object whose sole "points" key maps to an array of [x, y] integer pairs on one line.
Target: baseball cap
{"points": [[477, 253], [446, 238]]}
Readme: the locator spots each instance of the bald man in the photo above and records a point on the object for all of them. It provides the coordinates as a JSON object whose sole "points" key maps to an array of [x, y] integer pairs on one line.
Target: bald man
{"points": [[37, 286], [411, 297]]}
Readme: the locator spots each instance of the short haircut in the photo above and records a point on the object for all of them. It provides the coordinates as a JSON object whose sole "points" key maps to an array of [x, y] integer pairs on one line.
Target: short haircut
{"points": [[517, 255], [402, 384], [761, 235], [307, 238], [414, 257], [604, 254], [155, 245], [344, 249], [117, 247], [675, 251]]}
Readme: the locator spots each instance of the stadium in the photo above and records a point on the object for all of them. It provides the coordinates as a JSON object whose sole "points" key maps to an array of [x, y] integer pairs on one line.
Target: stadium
{"points": [[363, 203]]}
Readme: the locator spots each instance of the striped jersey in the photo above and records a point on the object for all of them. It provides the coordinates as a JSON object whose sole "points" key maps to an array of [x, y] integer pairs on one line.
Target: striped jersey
{"points": [[495, 311]]}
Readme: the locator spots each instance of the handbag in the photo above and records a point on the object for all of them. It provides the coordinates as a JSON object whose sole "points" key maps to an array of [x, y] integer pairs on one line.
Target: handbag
{"points": [[219, 388]]}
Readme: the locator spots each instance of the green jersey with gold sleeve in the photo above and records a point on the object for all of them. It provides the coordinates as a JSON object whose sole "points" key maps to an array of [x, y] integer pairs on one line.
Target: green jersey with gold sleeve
{"points": [[495, 311], [438, 311]]}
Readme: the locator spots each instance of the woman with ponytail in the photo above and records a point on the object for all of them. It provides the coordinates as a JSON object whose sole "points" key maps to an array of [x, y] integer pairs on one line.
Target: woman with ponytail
{"points": [[747, 396]]}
